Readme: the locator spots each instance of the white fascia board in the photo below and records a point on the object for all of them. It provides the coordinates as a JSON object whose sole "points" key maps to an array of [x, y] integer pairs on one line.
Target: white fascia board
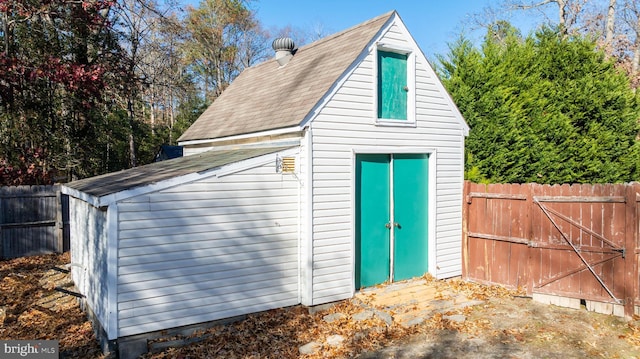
{"points": [[154, 187], [287, 142], [175, 181], [254, 162], [278, 131], [345, 75], [458, 115], [92, 200]]}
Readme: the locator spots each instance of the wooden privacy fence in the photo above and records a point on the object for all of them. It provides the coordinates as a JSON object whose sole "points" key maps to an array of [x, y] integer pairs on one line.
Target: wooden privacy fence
{"points": [[33, 220], [576, 242]]}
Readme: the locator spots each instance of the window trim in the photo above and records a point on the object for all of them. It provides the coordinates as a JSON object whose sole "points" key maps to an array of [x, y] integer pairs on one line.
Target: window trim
{"points": [[411, 84]]}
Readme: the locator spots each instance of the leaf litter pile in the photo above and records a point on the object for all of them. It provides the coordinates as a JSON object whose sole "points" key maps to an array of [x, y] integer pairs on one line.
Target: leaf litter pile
{"points": [[32, 308], [497, 323]]}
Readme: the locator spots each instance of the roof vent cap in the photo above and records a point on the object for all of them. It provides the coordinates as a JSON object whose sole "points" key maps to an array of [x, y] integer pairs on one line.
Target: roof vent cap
{"points": [[284, 48]]}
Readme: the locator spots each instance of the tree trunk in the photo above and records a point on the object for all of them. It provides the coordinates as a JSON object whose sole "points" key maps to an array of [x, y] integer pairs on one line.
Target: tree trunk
{"points": [[636, 57], [562, 16], [5, 28], [133, 160], [611, 14], [171, 117], [218, 88], [152, 113]]}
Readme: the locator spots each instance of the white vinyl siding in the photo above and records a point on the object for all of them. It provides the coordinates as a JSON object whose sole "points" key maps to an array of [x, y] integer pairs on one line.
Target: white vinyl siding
{"points": [[88, 247], [211, 249], [347, 122]]}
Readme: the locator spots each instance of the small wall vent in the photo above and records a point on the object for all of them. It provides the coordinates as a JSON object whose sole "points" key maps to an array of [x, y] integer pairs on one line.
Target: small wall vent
{"points": [[285, 164]]}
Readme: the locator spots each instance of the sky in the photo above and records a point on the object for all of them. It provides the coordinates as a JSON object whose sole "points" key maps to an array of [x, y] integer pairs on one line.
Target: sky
{"points": [[433, 23]]}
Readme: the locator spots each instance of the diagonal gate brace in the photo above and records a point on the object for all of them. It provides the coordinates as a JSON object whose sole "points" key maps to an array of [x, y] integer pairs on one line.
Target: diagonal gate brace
{"points": [[589, 267]]}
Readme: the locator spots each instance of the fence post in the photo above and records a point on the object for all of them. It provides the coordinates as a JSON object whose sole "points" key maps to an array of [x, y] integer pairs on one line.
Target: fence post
{"points": [[64, 207], [529, 235], [630, 243], [59, 224], [465, 230]]}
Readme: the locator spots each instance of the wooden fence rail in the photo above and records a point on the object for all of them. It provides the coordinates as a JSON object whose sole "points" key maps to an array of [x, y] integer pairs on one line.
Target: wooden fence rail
{"points": [[571, 244], [33, 220]]}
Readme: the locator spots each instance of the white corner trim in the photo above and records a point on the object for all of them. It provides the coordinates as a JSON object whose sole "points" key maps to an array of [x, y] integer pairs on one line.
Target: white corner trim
{"points": [[352, 220], [112, 272], [307, 257], [432, 203]]}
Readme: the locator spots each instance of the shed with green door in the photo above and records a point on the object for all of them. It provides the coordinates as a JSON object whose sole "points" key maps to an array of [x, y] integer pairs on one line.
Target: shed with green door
{"points": [[348, 147], [381, 160]]}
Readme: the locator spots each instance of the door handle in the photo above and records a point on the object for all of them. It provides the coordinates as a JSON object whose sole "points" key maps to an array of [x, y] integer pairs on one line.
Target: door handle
{"points": [[397, 225], [388, 225]]}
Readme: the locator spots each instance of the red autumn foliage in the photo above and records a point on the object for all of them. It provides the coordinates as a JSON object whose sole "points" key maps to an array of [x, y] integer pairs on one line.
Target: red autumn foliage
{"points": [[20, 70], [85, 81], [30, 169]]}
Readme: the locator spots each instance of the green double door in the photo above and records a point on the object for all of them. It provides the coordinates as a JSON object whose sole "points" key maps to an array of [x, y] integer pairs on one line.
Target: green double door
{"points": [[391, 217]]}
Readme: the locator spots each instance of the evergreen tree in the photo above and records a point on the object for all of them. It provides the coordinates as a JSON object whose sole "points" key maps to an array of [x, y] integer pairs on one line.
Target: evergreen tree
{"points": [[546, 108]]}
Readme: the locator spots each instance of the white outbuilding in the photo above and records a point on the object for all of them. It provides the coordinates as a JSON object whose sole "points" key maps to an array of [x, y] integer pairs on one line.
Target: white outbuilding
{"points": [[335, 166]]}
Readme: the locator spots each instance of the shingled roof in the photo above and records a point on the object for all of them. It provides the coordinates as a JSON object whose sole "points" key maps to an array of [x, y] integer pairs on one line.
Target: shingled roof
{"points": [[267, 96], [114, 182]]}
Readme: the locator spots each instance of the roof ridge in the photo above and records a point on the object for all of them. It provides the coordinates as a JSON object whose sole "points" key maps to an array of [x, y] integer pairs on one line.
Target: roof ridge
{"points": [[321, 41], [344, 32]]}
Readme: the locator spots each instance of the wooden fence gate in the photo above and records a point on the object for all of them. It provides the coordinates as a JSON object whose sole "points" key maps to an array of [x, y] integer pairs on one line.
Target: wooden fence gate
{"points": [[567, 245], [33, 220]]}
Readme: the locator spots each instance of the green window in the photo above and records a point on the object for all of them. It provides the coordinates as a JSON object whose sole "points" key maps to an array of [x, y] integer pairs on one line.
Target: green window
{"points": [[392, 86]]}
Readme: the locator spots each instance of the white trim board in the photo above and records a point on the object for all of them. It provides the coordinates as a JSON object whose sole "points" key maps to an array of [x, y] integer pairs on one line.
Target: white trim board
{"points": [[178, 180], [278, 131], [112, 272]]}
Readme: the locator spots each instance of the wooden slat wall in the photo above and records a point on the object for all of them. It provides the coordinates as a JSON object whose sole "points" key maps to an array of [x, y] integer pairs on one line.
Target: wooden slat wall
{"points": [[33, 220], [508, 239]]}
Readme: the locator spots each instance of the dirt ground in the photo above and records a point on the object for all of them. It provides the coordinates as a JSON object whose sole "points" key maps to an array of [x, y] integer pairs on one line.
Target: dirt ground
{"points": [[502, 324], [517, 327]]}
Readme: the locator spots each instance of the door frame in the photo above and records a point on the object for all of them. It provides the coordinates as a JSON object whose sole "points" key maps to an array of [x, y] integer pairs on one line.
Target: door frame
{"points": [[431, 200]]}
